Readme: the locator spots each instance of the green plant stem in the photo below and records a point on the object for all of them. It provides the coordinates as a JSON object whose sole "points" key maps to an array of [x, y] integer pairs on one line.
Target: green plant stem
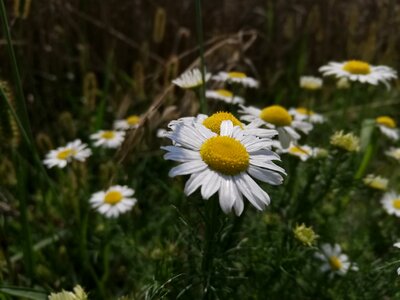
{"points": [[25, 232], [199, 27], [209, 246], [368, 154], [369, 151], [21, 107]]}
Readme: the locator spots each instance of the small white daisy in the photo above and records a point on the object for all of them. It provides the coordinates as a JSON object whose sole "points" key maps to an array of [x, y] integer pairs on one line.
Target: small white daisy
{"points": [[334, 260], [387, 126], [236, 77], [303, 152], [391, 203], [277, 117], [214, 122], [356, 70], [310, 83], [393, 152], [128, 123], [376, 182], [114, 201], [225, 163], [61, 156], [191, 79], [225, 96], [304, 114], [108, 138]]}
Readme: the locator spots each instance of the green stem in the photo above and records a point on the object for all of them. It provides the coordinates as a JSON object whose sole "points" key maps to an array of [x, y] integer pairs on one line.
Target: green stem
{"points": [[21, 107], [199, 27], [23, 208], [212, 207], [366, 159]]}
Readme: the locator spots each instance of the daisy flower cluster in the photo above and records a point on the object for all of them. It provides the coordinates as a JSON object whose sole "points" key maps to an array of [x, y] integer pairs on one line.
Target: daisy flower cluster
{"points": [[116, 199], [193, 79]]}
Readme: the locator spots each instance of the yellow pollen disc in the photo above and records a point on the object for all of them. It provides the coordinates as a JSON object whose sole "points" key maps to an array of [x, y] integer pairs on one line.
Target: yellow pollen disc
{"points": [[214, 121], [225, 155], [237, 75], [396, 203], [357, 67], [224, 93], [108, 135], [335, 263], [132, 120], [304, 111], [298, 150], [113, 197], [276, 115], [386, 121], [66, 153]]}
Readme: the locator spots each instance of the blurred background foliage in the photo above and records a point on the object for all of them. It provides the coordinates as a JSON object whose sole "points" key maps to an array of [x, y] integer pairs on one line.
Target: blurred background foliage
{"points": [[133, 48]]}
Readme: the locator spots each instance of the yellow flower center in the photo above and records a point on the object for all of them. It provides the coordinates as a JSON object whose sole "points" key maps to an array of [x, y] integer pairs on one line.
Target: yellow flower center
{"points": [[132, 120], [357, 67], [396, 203], [298, 150], [113, 197], [214, 121], [276, 115], [65, 154], [225, 155], [108, 135], [335, 263], [386, 121], [224, 93], [237, 75], [304, 111]]}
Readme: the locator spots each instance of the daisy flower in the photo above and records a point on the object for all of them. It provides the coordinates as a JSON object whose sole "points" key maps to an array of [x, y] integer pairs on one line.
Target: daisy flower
{"points": [[225, 96], [334, 260], [391, 203], [394, 152], [310, 83], [277, 117], [128, 123], [225, 163], [77, 294], [61, 156], [376, 182], [191, 79], [114, 201], [303, 152], [304, 114], [357, 70], [305, 235], [214, 121], [108, 138], [236, 77], [388, 127], [348, 142]]}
